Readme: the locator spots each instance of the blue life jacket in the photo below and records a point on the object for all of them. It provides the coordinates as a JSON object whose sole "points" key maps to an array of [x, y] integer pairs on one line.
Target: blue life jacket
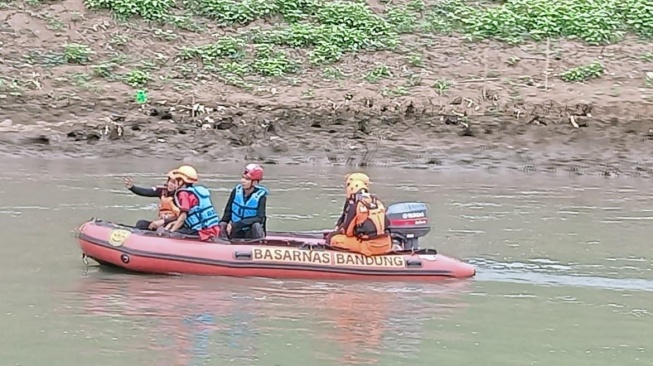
{"points": [[203, 215], [243, 210]]}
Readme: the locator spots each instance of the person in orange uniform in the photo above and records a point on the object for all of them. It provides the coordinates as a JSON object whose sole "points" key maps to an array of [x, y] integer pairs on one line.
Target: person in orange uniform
{"points": [[365, 227], [168, 212], [198, 215], [348, 179]]}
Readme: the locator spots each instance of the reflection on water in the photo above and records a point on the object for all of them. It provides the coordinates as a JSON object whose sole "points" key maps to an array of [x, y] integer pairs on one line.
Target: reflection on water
{"points": [[223, 320], [564, 275]]}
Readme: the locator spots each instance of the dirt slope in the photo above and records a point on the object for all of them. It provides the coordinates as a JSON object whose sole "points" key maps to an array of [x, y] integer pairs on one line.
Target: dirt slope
{"points": [[277, 81]]}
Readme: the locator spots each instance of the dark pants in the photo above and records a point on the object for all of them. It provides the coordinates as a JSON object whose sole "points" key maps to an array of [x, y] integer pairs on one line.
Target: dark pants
{"points": [[187, 231], [255, 231], [143, 224]]}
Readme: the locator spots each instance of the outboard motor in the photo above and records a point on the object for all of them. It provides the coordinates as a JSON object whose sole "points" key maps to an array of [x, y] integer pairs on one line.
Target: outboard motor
{"points": [[408, 222]]}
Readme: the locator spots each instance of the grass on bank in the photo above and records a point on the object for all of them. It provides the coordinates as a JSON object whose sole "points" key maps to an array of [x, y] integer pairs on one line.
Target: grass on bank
{"points": [[275, 38]]}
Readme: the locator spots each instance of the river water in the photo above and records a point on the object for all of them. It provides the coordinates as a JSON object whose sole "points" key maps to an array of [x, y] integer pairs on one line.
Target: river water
{"points": [[565, 275]]}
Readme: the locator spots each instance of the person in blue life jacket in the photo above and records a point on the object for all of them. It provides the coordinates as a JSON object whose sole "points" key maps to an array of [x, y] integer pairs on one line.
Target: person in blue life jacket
{"points": [[244, 214], [198, 215]]}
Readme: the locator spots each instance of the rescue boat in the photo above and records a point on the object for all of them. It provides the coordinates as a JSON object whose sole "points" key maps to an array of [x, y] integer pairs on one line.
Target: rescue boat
{"points": [[298, 255]]}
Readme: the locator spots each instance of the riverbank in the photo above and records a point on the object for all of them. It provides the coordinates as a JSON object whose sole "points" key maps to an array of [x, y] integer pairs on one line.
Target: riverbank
{"points": [[278, 82]]}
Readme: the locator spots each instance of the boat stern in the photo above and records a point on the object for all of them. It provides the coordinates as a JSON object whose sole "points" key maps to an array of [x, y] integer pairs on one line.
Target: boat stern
{"points": [[453, 267], [464, 270]]}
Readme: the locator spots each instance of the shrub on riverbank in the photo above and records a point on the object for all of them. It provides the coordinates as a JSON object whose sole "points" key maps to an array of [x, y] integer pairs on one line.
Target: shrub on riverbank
{"points": [[352, 25], [592, 21], [319, 32], [328, 29], [256, 43]]}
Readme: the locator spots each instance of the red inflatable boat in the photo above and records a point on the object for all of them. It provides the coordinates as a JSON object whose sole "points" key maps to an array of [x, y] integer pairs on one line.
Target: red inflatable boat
{"points": [[279, 255]]}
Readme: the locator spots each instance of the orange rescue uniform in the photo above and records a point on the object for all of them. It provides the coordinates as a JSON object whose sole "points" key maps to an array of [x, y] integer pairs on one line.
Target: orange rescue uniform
{"points": [[167, 208], [364, 229]]}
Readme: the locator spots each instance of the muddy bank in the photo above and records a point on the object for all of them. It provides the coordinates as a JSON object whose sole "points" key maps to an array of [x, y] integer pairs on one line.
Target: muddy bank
{"points": [[425, 97], [580, 139]]}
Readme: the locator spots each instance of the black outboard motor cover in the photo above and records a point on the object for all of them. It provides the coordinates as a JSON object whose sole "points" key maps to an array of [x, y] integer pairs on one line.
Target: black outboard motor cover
{"points": [[408, 221]]}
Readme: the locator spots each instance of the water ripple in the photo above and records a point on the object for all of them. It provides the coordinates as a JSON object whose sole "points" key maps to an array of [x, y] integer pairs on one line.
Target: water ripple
{"points": [[547, 272]]}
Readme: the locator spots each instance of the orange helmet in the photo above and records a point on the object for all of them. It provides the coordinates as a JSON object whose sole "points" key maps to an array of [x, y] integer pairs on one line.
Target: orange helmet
{"points": [[357, 176], [186, 173], [172, 174], [355, 186]]}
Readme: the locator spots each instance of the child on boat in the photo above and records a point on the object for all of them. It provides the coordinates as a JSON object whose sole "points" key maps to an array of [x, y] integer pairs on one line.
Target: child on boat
{"points": [[168, 211]]}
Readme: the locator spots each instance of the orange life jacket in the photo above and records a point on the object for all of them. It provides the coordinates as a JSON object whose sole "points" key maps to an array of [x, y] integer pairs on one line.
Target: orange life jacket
{"points": [[368, 207], [167, 207]]}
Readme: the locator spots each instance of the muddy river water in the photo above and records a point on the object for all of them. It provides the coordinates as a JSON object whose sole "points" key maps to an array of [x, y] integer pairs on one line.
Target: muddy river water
{"points": [[565, 275]]}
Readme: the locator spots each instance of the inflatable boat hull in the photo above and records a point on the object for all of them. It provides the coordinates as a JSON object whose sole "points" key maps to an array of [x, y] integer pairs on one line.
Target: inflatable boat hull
{"points": [[284, 255]]}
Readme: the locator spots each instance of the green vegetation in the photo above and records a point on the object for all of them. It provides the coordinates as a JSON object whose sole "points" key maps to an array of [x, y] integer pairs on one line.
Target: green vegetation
{"points": [[583, 73], [329, 30], [593, 21], [77, 53], [287, 40], [155, 10], [310, 33]]}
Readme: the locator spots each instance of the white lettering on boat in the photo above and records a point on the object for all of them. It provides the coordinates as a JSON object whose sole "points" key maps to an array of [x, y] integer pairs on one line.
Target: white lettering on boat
{"points": [[290, 256], [413, 215], [282, 255], [388, 261]]}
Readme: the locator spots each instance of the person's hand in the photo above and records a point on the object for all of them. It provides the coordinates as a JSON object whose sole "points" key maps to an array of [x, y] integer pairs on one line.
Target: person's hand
{"points": [[170, 225], [129, 182], [156, 224], [229, 227]]}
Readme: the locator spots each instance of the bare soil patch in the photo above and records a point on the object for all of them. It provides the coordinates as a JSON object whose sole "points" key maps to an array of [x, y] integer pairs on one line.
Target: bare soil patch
{"points": [[310, 81]]}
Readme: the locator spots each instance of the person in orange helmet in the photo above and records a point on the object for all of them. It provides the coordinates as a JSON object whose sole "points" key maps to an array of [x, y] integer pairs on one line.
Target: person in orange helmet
{"points": [[365, 227], [198, 215], [168, 211], [348, 179]]}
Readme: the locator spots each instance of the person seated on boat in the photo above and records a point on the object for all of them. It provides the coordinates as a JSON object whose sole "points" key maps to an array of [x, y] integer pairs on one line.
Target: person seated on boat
{"points": [[349, 178], [168, 212], [197, 214], [244, 214], [365, 227]]}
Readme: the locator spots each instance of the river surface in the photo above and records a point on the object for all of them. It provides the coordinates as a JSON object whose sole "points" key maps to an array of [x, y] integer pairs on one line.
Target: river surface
{"points": [[565, 275]]}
